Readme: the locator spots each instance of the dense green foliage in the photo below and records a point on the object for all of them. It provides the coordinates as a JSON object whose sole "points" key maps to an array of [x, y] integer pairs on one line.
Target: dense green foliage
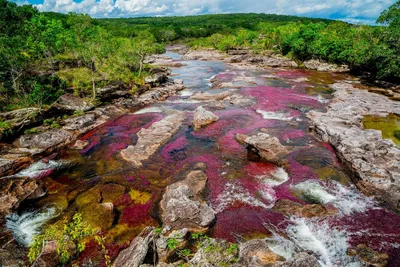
{"points": [[44, 54]]}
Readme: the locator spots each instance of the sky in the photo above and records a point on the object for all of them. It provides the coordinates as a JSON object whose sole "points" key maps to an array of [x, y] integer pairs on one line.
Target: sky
{"points": [[354, 11]]}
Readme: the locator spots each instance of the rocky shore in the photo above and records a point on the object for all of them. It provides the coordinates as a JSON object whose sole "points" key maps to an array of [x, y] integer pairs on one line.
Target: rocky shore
{"points": [[374, 161]]}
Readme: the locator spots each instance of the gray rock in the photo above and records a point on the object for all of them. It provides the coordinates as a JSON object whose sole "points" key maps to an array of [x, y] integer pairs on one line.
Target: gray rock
{"points": [[183, 205], [220, 254], [319, 65], [68, 104], [46, 141], [374, 161], [151, 139], [256, 253], [115, 90], [21, 119], [203, 117], [80, 122], [135, 254], [157, 79], [302, 259]]}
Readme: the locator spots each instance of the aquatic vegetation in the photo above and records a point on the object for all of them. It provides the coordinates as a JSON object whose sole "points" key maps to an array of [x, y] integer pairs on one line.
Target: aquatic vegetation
{"points": [[389, 126]]}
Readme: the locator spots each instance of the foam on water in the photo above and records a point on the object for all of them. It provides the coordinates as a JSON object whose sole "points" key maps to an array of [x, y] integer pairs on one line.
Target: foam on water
{"points": [[150, 110], [185, 93], [233, 193], [27, 226], [268, 115], [39, 168], [347, 199], [328, 244], [277, 177]]}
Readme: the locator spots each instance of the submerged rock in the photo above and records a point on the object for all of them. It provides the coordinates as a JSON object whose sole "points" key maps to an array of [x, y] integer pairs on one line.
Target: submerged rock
{"points": [[374, 161], [68, 104], [151, 139], [256, 253], [290, 208], [369, 256], [203, 117], [266, 146], [183, 205]]}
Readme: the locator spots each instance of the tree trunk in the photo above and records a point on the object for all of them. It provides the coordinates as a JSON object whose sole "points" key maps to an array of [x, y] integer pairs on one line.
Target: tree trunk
{"points": [[141, 64], [93, 69]]}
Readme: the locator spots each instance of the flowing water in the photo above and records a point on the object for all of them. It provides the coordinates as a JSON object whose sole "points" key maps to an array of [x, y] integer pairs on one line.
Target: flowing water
{"points": [[242, 190]]}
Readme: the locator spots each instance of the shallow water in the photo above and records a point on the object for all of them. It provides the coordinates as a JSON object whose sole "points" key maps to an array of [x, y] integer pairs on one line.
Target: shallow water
{"points": [[242, 190], [389, 126]]}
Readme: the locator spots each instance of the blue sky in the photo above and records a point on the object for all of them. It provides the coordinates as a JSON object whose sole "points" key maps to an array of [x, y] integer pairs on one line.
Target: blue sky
{"points": [[356, 11]]}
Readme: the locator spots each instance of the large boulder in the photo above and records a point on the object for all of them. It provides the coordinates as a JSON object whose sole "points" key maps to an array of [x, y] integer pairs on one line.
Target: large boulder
{"points": [[266, 146], [152, 138], [68, 104], [115, 90], [21, 119], [203, 117], [157, 79], [183, 205], [135, 254], [47, 141]]}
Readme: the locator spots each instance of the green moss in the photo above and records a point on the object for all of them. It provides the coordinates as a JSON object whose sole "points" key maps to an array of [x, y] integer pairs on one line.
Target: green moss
{"points": [[389, 126]]}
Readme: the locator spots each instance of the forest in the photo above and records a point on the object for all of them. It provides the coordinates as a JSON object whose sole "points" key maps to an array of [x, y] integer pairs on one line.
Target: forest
{"points": [[44, 54]]}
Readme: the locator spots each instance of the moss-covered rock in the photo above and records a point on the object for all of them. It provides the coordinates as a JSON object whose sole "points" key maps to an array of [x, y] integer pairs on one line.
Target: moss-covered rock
{"points": [[90, 196], [139, 197], [98, 215]]}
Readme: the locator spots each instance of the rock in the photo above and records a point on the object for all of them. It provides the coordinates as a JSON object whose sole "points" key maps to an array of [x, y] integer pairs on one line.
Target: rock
{"points": [[257, 253], [164, 253], [302, 259], [80, 144], [81, 123], [98, 215], [135, 254], [236, 59], [13, 254], [374, 161], [203, 117], [157, 79], [115, 90], [13, 163], [68, 104], [221, 253], [183, 205], [204, 54], [151, 139], [22, 119], [14, 190], [47, 141], [290, 208], [267, 147], [319, 65], [370, 257], [203, 96]]}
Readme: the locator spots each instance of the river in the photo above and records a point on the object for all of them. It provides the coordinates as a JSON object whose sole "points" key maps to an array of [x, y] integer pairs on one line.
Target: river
{"points": [[242, 189]]}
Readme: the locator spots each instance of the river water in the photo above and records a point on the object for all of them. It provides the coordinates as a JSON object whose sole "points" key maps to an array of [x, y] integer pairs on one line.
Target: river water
{"points": [[241, 189]]}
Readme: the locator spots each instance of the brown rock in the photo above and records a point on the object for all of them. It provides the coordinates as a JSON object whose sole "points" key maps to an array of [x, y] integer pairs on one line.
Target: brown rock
{"points": [[183, 205], [98, 215], [203, 117], [257, 253], [151, 139], [290, 208]]}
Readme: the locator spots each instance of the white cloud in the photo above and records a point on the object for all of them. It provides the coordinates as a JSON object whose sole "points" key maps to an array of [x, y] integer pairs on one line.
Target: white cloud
{"points": [[350, 10]]}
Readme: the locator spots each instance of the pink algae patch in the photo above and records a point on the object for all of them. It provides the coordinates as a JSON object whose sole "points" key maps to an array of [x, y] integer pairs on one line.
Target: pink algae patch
{"points": [[135, 215], [295, 134], [292, 74], [179, 144]]}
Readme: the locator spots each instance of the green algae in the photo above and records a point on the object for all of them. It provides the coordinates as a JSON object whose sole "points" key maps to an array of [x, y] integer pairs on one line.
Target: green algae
{"points": [[389, 126]]}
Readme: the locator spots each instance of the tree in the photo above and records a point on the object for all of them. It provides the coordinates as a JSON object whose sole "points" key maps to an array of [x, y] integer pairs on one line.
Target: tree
{"points": [[144, 45]]}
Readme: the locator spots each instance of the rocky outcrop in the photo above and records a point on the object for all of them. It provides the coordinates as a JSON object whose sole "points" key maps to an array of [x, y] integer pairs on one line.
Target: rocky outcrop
{"points": [[158, 77], [319, 65], [204, 54], [152, 138], [203, 117], [301, 259], [136, 253], [374, 161], [369, 256], [21, 119], [13, 162], [14, 190], [47, 141], [204, 96], [68, 104], [214, 252], [266, 146], [183, 205], [112, 91]]}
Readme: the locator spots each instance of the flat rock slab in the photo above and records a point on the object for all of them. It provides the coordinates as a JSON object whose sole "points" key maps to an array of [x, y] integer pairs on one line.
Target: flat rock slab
{"points": [[68, 104], [374, 161], [152, 138]]}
